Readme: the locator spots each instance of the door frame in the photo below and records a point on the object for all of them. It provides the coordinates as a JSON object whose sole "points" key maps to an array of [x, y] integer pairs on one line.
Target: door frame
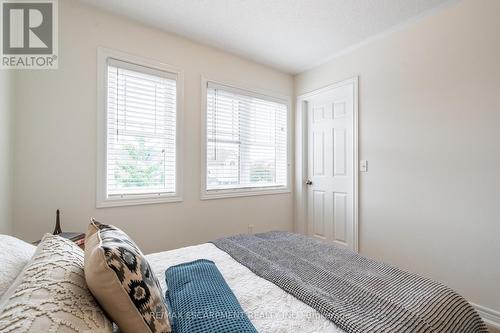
{"points": [[301, 153]]}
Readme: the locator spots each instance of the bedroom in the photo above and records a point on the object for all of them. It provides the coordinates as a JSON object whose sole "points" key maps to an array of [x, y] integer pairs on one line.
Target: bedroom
{"points": [[425, 161]]}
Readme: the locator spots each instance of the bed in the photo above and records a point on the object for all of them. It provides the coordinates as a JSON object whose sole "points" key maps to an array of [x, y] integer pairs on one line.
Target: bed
{"points": [[269, 307], [283, 282], [287, 282]]}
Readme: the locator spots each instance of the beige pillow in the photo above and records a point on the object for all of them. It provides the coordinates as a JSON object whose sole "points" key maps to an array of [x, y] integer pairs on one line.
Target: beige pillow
{"points": [[50, 294], [122, 281]]}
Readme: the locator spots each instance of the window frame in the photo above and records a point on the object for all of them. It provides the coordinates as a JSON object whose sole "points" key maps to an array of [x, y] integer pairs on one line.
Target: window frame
{"points": [[102, 199], [206, 194]]}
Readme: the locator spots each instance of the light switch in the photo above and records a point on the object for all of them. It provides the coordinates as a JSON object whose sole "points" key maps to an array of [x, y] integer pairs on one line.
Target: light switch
{"points": [[363, 166]]}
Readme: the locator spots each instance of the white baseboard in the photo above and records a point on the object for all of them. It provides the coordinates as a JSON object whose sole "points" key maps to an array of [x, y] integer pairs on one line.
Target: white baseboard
{"points": [[490, 316]]}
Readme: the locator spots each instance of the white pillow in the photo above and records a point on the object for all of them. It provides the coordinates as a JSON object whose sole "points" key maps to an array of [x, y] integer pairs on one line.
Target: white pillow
{"points": [[51, 294], [14, 255]]}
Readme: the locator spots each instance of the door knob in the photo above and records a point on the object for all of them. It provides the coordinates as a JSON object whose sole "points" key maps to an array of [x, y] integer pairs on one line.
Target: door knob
{"points": [[309, 182]]}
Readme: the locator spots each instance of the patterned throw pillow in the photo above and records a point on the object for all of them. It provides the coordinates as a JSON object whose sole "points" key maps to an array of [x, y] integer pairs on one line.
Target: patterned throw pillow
{"points": [[122, 281], [50, 294]]}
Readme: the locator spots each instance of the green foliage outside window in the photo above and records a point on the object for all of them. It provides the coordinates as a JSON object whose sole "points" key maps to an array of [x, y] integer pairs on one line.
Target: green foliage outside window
{"points": [[141, 169]]}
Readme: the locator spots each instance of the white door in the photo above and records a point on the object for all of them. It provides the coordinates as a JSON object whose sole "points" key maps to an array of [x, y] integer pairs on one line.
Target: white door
{"points": [[331, 168]]}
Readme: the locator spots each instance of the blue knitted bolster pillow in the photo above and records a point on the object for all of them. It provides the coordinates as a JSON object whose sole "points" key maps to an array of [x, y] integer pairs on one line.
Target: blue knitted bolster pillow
{"points": [[200, 300]]}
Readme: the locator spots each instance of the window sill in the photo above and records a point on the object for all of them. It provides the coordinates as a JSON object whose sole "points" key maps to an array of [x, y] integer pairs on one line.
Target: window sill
{"points": [[144, 200], [222, 194]]}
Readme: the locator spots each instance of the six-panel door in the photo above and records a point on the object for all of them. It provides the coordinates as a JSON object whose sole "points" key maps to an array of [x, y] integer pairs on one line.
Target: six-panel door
{"points": [[331, 165]]}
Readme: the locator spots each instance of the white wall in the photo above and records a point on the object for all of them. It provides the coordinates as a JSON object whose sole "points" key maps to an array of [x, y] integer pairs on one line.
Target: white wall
{"points": [[6, 116], [55, 136], [429, 127]]}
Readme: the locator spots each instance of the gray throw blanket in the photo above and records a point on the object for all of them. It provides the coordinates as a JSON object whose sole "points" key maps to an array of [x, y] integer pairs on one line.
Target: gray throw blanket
{"points": [[358, 294]]}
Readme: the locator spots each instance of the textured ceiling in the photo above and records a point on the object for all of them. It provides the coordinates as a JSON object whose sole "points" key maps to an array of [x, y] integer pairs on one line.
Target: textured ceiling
{"points": [[290, 35]]}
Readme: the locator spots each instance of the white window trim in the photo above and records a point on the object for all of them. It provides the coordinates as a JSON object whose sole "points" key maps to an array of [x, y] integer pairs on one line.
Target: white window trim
{"points": [[249, 191], [102, 200]]}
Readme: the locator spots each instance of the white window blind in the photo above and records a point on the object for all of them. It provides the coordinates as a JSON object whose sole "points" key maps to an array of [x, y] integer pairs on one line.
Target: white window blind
{"points": [[141, 130], [246, 140]]}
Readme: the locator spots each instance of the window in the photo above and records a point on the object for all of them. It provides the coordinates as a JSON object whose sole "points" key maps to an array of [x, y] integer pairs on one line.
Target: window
{"points": [[140, 146], [246, 143]]}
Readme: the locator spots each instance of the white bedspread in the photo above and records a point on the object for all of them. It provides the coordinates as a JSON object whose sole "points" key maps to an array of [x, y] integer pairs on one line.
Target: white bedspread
{"points": [[269, 308]]}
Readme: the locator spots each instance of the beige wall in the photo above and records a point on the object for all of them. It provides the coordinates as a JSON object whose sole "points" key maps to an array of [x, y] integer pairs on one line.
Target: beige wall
{"points": [[429, 127], [6, 113], [55, 157]]}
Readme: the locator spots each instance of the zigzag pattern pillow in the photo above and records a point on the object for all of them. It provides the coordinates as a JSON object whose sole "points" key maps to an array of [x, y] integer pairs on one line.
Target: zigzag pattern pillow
{"points": [[122, 281]]}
